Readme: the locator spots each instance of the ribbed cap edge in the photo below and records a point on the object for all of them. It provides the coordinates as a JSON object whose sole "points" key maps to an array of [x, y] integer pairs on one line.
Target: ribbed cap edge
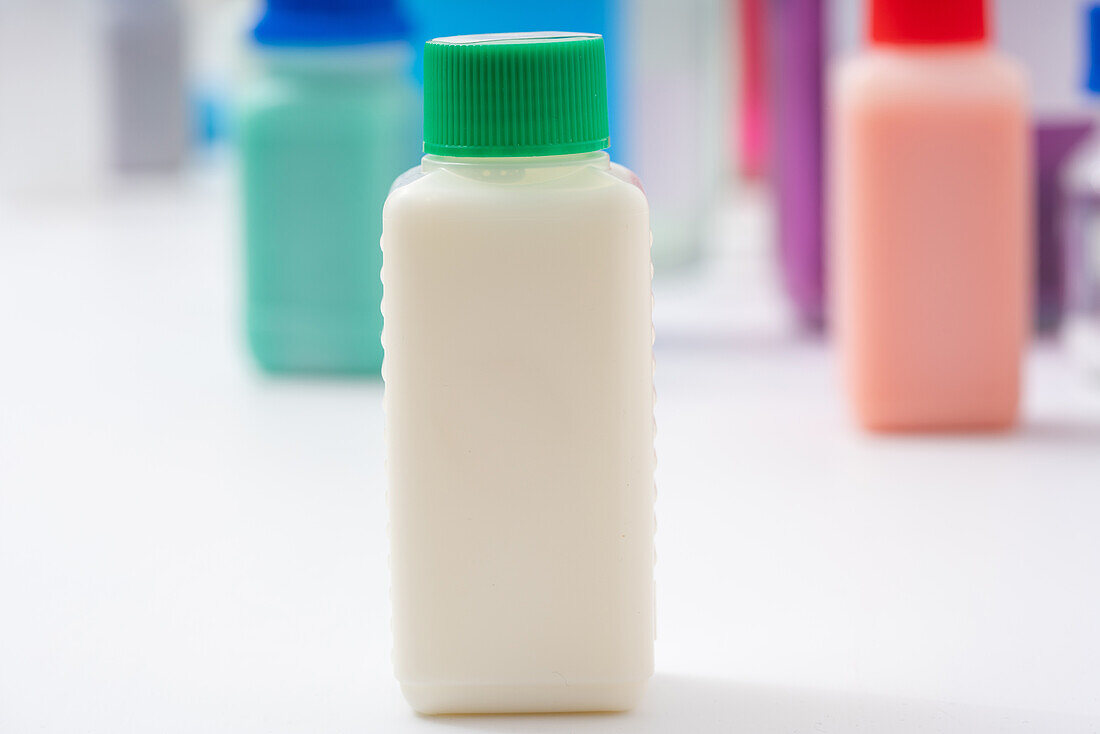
{"points": [[515, 94]]}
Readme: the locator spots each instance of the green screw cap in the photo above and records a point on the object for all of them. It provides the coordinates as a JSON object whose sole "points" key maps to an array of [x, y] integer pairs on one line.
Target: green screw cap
{"points": [[515, 94]]}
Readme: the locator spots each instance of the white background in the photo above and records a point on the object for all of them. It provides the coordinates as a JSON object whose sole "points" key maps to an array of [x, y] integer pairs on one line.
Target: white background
{"points": [[187, 546]]}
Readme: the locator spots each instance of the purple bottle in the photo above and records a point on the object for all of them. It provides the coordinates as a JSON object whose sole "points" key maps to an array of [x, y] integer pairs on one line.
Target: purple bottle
{"points": [[796, 41]]}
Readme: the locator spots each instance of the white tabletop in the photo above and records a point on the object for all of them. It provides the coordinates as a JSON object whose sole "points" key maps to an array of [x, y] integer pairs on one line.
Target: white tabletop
{"points": [[187, 546]]}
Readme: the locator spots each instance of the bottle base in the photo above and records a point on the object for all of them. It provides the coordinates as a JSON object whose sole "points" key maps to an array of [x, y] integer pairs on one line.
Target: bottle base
{"points": [[1002, 424], [435, 699], [315, 349], [925, 409]]}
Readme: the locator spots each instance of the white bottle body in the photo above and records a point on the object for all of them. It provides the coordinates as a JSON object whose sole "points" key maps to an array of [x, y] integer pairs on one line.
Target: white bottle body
{"points": [[519, 424]]}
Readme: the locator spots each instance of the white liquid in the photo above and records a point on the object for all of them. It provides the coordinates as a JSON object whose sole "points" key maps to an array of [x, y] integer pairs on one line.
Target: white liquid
{"points": [[519, 423]]}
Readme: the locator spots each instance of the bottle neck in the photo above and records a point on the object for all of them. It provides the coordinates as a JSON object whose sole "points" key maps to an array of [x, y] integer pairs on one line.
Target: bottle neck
{"points": [[525, 169], [938, 50], [598, 157]]}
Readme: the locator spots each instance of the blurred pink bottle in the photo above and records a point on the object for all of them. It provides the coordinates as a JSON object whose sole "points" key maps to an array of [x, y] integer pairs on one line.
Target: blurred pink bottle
{"points": [[752, 122], [932, 217]]}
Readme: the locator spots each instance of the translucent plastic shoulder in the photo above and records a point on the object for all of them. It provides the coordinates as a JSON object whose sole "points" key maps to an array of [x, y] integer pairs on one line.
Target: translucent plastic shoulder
{"points": [[495, 172], [625, 174], [413, 174]]}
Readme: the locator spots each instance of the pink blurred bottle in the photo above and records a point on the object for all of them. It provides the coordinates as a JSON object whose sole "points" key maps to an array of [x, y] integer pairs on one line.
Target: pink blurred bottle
{"points": [[932, 218], [752, 122]]}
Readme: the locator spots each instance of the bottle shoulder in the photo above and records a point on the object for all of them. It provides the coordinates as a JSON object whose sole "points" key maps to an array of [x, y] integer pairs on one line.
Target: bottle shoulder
{"points": [[927, 77], [489, 187], [627, 176]]}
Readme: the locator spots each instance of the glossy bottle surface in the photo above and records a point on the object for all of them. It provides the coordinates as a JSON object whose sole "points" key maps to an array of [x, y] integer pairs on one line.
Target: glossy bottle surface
{"points": [[322, 136], [519, 424], [932, 225]]}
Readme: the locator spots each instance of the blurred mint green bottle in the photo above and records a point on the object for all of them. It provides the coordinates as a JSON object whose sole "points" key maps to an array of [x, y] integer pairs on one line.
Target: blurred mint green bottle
{"points": [[330, 119]]}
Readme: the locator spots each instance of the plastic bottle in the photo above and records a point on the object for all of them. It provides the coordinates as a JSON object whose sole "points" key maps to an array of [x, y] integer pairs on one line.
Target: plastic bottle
{"points": [[797, 46], [1081, 328], [331, 120], [519, 389], [933, 220], [149, 117], [54, 121], [751, 114]]}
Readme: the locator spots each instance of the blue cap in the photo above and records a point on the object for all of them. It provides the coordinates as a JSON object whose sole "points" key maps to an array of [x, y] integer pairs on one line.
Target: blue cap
{"points": [[312, 23], [1092, 49]]}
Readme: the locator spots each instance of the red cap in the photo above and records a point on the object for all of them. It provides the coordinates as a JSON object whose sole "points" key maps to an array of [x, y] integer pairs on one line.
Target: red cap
{"points": [[928, 21]]}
